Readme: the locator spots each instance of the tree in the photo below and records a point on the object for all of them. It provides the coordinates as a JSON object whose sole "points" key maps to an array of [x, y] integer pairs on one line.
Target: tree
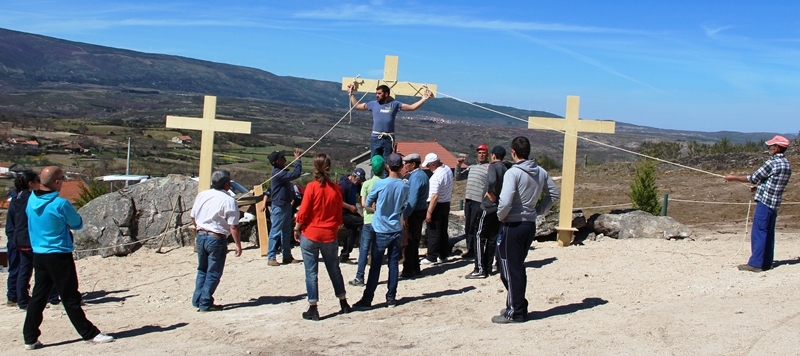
{"points": [[644, 192], [88, 193]]}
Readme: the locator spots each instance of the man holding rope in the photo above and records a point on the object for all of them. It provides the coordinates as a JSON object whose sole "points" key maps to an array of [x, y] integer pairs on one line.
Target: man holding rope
{"points": [[384, 111], [770, 182]]}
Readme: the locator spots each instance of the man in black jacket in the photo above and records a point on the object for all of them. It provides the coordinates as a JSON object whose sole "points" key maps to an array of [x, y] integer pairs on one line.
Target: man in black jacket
{"points": [[488, 225]]}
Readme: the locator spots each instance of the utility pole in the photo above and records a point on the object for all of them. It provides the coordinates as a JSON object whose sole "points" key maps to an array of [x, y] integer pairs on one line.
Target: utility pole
{"points": [[128, 162]]}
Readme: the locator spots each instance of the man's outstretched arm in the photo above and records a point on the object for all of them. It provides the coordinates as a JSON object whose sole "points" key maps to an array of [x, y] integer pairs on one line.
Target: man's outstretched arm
{"points": [[418, 104]]}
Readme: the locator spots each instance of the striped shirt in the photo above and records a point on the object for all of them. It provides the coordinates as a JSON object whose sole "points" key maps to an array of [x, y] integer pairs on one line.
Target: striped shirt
{"points": [[771, 178], [441, 183], [476, 180]]}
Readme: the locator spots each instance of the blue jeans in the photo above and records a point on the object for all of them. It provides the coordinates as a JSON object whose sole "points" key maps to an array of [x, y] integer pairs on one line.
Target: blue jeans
{"points": [[13, 271], [381, 146], [762, 237], [281, 231], [211, 253], [311, 251], [384, 242], [367, 240]]}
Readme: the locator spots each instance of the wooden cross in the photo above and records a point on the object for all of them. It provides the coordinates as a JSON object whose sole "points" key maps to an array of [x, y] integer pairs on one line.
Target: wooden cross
{"points": [[208, 124], [571, 125], [390, 80]]}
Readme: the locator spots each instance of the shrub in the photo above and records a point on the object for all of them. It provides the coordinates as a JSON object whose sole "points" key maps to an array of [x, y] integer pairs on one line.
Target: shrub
{"points": [[644, 193], [88, 193]]}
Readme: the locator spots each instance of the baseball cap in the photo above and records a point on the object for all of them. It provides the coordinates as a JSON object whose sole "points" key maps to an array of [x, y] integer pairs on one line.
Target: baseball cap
{"points": [[395, 160], [499, 152], [275, 156], [482, 147], [362, 176], [414, 157], [778, 141], [430, 158], [378, 165]]}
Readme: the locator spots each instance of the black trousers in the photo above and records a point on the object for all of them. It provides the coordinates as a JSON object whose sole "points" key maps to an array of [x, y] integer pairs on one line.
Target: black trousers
{"points": [[411, 248], [24, 280], [56, 269], [512, 248], [486, 241], [438, 238], [352, 225], [472, 216]]}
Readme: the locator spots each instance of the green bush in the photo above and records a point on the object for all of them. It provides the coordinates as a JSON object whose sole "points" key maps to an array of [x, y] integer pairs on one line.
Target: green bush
{"points": [[644, 193], [88, 193]]}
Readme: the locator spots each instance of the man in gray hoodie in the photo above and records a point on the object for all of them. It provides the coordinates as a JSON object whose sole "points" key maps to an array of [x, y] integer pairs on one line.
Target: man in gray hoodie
{"points": [[517, 209]]}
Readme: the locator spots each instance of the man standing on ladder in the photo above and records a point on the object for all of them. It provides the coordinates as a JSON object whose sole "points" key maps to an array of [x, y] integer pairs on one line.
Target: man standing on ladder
{"points": [[384, 111]]}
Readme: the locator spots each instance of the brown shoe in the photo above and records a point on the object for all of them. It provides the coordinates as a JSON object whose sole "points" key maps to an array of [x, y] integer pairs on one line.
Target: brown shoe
{"points": [[273, 263], [746, 267], [291, 260]]}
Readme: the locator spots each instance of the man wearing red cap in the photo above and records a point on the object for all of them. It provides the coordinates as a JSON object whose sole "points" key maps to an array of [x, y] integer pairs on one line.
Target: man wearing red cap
{"points": [[476, 179], [770, 182]]}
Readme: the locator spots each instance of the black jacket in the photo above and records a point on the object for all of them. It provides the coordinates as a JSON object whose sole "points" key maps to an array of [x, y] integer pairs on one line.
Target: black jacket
{"points": [[494, 184], [19, 220]]}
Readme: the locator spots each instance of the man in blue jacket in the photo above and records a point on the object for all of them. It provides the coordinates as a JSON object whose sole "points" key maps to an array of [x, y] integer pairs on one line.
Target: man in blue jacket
{"points": [[281, 192], [414, 213], [50, 219]]}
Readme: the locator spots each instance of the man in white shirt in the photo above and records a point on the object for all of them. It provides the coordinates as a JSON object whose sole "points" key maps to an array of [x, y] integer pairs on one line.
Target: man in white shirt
{"points": [[215, 216], [439, 194]]}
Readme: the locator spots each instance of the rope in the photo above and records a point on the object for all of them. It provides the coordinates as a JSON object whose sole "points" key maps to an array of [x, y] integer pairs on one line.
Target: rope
{"points": [[603, 206], [583, 138], [720, 202], [122, 245], [323, 135]]}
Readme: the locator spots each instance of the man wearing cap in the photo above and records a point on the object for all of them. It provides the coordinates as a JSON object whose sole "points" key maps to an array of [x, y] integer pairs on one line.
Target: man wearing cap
{"points": [[353, 221], [517, 209], [439, 194], [770, 182], [384, 111], [281, 193], [414, 214], [476, 180], [215, 216], [390, 196], [488, 225], [367, 232]]}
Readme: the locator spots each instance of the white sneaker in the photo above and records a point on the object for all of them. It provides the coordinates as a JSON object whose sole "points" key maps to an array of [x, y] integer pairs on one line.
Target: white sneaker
{"points": [[427, 262], [34, 346], [102, 339], [443, 260]]}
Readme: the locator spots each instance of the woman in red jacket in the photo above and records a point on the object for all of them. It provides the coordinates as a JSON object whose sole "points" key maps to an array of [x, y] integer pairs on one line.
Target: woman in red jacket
{"points": [[316, 228]]}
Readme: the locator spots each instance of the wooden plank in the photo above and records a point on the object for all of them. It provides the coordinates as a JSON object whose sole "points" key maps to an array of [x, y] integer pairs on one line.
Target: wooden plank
{"points": [[261, 220]]}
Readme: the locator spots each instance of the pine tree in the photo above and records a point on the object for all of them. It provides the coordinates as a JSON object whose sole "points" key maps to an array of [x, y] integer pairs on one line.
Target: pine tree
{"points": [[644, 192]]}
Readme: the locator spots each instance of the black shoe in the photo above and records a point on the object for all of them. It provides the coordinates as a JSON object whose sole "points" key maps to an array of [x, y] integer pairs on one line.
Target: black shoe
{"points": [[213, 307], [362, 304], [476, 275], [312, 313], [468, 255], [391, 303], [346, 261], [345, 307], [356, 282], [23, 307], [55, 302], [501, 319], [406, 275], [455, 252]]}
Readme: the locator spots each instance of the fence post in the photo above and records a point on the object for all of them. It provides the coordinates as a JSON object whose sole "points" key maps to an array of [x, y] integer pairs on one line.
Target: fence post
{"points": [[461, 204], [664, 206]]}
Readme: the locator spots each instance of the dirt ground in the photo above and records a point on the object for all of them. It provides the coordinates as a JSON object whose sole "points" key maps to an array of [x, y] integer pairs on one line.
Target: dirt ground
{"points": [[604, 297]]}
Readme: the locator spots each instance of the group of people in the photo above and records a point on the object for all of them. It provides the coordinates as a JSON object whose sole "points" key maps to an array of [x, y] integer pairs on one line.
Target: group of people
{"points": [[40, 242]]}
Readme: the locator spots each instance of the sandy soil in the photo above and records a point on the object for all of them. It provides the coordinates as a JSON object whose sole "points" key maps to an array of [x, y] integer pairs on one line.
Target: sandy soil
{"points": [[605, 297]]}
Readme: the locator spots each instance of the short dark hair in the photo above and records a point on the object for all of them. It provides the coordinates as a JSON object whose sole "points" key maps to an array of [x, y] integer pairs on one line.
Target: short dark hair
{"points": [[219, 179], [521, 146], [384, 88], [782, 149]]}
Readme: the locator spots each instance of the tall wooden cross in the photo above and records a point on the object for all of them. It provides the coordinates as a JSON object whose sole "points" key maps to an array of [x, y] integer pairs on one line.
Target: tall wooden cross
{"points": [[571, 125], [390, 80], [208, 124]]}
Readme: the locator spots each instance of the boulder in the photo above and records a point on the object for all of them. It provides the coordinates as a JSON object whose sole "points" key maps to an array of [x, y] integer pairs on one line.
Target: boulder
{"points": [[638, 224], [145, 214]]}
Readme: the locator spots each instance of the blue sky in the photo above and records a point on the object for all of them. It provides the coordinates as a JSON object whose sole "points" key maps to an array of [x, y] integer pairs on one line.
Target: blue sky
{"points": [[695, 65]]}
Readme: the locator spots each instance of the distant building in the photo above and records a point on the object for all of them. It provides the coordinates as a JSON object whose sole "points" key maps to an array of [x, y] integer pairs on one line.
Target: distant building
{"points": [[22, 143], [73, 148], [5, 168], [71, 190], [404, 148], [183, 140]]}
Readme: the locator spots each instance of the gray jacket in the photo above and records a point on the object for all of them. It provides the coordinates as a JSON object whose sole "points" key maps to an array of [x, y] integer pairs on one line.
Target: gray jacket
{"points": [[523, 183]]}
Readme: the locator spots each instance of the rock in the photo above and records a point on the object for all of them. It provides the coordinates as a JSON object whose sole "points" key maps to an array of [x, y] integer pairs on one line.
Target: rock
{"points": [[638, 224], [143, 214]]}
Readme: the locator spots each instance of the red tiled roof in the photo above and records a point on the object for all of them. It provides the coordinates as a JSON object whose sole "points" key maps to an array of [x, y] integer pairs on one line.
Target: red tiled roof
{"points": [[5, 203], [184, 138], [423, 148], [71, 190], [6, 164]]}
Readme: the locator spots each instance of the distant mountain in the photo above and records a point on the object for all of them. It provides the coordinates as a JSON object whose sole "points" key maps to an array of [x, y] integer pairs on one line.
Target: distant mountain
{"points": [[28, 61]]}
